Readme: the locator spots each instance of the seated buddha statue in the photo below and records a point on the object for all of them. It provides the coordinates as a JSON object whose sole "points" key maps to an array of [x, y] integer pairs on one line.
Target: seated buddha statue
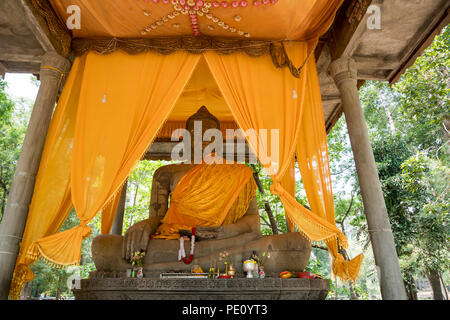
{"points": [[219, 201]]}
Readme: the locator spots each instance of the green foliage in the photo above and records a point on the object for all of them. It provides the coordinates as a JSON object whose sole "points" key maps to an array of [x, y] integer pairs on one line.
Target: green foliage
{"points": [[410, 144], [14, 116], [406, 124], [6, 104], [423, 95], [319, 263], [427, 182]]}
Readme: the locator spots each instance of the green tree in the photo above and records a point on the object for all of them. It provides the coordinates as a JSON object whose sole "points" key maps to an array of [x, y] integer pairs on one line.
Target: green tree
{"points": [[409, 138], [14, 116]]}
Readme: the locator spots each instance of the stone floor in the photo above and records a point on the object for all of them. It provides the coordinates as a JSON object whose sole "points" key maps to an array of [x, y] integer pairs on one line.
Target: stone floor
{"points": [[201, 289]]}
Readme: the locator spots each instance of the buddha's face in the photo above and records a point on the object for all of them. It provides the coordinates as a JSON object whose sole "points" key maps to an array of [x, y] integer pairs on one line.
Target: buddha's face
{"points": [[197, 142]]}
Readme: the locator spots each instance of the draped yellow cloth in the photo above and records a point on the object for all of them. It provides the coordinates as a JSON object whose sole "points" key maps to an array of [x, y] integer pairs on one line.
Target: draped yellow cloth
{"points": [[261, 97], [312, 156], [131, 96], [208, 195], [51, 202]]}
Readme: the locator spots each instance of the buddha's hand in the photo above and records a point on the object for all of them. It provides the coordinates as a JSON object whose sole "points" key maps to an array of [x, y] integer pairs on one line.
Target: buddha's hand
{"points": [[204, 233], [137, 236]]}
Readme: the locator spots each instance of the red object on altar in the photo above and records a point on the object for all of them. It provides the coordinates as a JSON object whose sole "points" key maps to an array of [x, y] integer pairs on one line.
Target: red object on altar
{"points": [[307, 275]]}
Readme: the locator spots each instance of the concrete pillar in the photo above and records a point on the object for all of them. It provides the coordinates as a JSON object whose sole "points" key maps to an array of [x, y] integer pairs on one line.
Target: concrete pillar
{"points": [[53, 71], [344, 72], [118, 221]]}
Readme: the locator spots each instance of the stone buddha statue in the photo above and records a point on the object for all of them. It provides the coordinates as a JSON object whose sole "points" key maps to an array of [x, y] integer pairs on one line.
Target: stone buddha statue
{"points": [[173, 211]]}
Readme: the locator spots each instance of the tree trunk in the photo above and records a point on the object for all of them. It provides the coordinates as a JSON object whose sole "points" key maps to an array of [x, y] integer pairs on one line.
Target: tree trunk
{"points": [[2, 209], [30, 291], [411, 290], [444, 288], [435, 282], [389, 116], [24, 292], [58, 291], [36, 292], [267, 207]]}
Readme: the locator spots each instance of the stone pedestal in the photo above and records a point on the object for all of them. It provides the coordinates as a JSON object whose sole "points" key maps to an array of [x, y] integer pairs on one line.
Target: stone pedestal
{"points": [[344, 73], [201, 289], [53, 71]]}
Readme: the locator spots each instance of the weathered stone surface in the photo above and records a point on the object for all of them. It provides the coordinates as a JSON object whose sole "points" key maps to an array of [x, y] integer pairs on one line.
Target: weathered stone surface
{"points": [[202, 289], [290, 251]]}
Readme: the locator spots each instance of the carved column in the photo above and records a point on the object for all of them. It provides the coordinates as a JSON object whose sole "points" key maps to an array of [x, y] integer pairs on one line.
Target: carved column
{"points": [[53, 71], [118, 221], [344, 73]]}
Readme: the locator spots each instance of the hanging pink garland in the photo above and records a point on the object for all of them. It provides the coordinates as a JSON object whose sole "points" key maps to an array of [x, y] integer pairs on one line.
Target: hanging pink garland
{"points": [[200, 8]]}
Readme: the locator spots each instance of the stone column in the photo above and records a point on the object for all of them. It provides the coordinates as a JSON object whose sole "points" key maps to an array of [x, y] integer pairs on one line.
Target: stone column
{"points": [[118, 221], [53, 71], [344, 73]]}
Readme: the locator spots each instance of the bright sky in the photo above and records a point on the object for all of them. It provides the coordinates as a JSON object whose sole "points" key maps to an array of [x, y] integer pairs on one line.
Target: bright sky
{"points": [[20, 86]]}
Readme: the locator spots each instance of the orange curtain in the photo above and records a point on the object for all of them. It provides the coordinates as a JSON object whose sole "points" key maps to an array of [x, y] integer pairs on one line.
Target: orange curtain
{"points": [[262, 97], [123, 102], [312, 157], [51, 202]]}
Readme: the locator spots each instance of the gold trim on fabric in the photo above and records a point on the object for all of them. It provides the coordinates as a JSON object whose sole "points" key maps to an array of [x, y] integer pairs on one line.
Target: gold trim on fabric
{"points": [[44, 12], [193, 45]]}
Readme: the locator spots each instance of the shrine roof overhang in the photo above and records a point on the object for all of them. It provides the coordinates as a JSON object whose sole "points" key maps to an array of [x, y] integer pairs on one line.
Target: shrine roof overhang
{"points": [[29, 28]]}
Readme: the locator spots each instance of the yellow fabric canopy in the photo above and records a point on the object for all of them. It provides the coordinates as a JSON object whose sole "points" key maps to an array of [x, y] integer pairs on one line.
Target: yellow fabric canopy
{"points": [[285, 20], [208, 195], [112, 107]]}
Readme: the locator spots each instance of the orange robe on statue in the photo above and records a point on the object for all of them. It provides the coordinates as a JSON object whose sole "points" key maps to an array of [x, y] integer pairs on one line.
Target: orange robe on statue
{"points": [[208, 195]]}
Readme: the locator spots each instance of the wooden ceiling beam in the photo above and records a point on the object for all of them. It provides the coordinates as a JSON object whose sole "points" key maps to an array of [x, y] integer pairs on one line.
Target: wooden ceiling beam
{"points": [[343, 31]]}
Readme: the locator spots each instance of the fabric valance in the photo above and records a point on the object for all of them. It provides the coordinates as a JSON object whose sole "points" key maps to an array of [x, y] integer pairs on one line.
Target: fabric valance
{"points": [[193, 45]]}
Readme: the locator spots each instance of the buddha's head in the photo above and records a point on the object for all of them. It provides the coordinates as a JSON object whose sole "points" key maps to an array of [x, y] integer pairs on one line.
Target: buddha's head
{"points": [[208, 121]]}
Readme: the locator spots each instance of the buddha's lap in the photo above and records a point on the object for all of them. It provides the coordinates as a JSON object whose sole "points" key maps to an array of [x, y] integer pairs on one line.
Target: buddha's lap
{"points": [[288, 250]]}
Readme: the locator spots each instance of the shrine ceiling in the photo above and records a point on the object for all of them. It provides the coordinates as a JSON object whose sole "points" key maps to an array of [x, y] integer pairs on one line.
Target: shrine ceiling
{"points": [[265, 19]]}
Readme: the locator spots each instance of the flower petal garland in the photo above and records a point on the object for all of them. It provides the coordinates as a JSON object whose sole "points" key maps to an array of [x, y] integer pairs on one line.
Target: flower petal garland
{"points": [[182, 253], [200, 8]]}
